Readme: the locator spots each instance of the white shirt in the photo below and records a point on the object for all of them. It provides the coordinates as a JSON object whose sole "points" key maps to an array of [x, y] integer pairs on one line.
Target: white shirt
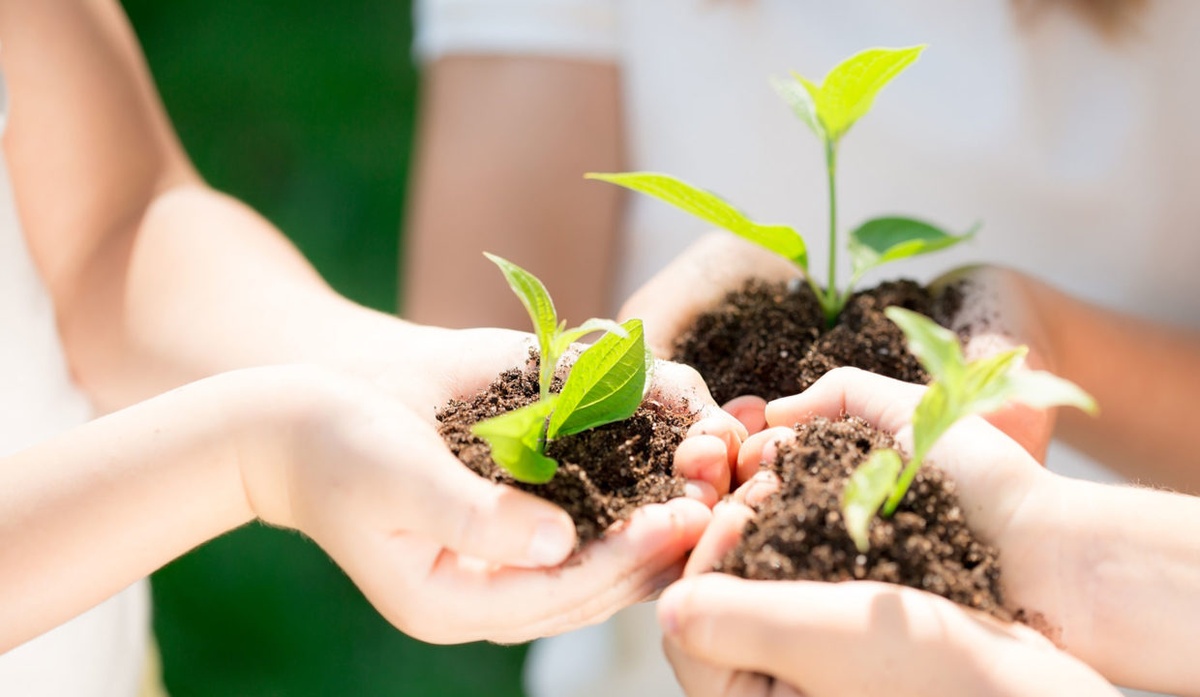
{"points": [[1075, 152], [100, 653]]}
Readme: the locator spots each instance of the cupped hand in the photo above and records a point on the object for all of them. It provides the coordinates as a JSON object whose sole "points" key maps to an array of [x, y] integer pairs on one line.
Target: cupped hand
{"points": [[734, 637], [448, 556]]}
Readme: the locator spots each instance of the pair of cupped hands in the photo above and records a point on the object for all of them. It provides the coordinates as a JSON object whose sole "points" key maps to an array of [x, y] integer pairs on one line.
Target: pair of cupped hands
{"points": [[449, 557]]}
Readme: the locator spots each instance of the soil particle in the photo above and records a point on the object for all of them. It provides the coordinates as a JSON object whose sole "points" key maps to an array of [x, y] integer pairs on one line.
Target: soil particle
{"points": [[770, 339], [603, 475], [799, 533]]}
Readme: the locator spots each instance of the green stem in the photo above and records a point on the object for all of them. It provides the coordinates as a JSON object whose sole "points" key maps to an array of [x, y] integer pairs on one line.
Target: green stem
{"points": [[902, 484], [831, 294], [546, 370]]}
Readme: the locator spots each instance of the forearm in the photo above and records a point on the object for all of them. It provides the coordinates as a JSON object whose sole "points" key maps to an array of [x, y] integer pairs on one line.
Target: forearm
{"points": [[95, 509], [1133, 588], [200, 285], [504, 144], [1145, 377]]}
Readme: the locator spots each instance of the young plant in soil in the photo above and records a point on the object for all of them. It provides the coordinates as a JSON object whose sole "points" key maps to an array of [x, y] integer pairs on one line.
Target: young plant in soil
{"points": [[590, 442], [822, 523], [738, 347]]}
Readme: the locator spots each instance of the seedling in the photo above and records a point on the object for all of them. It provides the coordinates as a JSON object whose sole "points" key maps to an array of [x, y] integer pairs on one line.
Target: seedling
{"points": [[829, 110], [959, 389], [605, 384]]}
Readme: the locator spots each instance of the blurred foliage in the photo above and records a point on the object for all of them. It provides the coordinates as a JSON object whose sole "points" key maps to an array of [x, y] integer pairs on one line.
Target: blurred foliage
{"points": [[303, 109]]}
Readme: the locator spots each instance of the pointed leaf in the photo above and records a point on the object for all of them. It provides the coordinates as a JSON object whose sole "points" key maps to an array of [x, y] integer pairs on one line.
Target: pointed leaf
{"points": [[709, 207], [798, 97], [849, 90], [934, 415], [536, 300], [566, 337], [866, 490], [515, 439], [986, 385], [605, 385], [1042, 390], [934, 346], [883, 240]]}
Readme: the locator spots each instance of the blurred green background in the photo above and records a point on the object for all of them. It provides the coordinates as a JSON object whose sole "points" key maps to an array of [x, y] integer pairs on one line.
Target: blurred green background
{"points": [[304, 109]]}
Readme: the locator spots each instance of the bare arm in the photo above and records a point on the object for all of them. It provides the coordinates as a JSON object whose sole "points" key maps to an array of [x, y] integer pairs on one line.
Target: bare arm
{"points": [[1145, 376], [504, 144], [157, 280]]}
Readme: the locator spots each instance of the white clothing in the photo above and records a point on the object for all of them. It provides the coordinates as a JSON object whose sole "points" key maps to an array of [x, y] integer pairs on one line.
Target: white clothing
{"points": [[99, 653], [1075, 152]]}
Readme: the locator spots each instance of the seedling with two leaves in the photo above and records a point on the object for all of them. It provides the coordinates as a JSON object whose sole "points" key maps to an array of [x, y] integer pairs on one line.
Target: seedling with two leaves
{"points": [[958, 389], [605, 384], [829, 110]]}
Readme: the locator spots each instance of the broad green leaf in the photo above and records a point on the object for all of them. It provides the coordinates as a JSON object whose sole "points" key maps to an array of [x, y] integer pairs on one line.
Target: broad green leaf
{"points": [[934, 346], [883, 240], [985, 384], [849, 90], [799, 98], [934, 415], [605, 384], [709, 207], [866, 490], [1041, 390], [566, 337], [536, 300], [515, 439]]}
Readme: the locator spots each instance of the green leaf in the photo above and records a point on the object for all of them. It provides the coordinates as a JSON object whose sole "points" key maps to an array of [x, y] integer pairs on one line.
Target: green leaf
{"points": [[865, 492], [709, 207], [986, 381], [849, 90], [515, 439], [1042, 390], [934, 415], [884, 240], [799, 97], [537, 302], [605, 385], [566, 337], [934, 346]]}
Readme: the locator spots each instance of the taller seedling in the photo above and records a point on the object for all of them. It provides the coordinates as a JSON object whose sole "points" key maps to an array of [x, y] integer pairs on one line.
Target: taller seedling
{"points": [[829, 110]]}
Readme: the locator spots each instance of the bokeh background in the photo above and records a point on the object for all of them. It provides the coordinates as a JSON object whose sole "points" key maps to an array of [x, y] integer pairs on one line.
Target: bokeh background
{"points": [[305, 110]]}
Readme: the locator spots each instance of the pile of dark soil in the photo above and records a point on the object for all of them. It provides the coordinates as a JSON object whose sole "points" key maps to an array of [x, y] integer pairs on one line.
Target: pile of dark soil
{"points": [[603, 475], [770, 339], [799, 532]]}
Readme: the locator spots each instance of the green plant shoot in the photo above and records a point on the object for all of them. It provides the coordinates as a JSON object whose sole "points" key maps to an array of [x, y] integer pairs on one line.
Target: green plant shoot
{"points": [[829, 110], [553, 337], [606, 384], [958, 389]]}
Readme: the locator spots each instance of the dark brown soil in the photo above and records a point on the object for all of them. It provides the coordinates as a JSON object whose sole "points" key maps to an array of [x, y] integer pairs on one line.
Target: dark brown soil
{"points": [[770, 339], [603, 475], [799, 533]]}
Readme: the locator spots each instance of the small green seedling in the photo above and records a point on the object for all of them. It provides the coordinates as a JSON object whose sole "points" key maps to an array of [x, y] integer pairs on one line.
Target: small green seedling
{"points": [[959, 389], [829, 110], [606, 383]]}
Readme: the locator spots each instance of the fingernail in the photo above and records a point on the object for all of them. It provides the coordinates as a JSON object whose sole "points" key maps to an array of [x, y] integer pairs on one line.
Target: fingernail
{"points": [[693, 491], [551, 543]]}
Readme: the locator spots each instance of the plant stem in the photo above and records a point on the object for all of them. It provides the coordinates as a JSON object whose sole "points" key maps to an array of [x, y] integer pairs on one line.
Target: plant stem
{"points": [[902, 484], [549, 362], [832, 309]]}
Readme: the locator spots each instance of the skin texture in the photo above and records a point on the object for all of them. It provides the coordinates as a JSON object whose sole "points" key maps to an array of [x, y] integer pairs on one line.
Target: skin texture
{"points": [[1112, 569], [158, 281], [500, 168]]}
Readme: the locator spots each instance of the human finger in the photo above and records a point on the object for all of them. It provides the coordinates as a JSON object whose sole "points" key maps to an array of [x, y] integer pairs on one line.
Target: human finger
{"points": [[721, 535], [759, 450], [863, 638], [885, 403], [442, 597], [749, 410], [382, 467]]}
